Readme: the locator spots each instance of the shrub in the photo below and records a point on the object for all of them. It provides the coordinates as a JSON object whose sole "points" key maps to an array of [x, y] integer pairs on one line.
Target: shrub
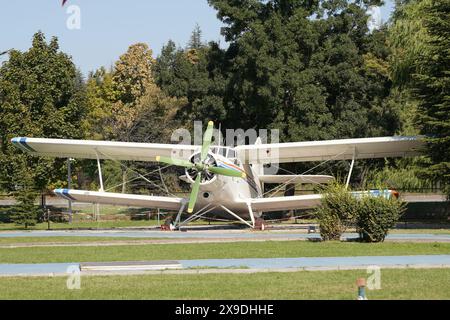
{"points": [[25, 212], [336, 212], [375, 216]]}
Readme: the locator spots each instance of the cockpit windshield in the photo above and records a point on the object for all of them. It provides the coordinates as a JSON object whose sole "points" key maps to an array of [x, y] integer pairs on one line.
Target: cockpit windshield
{"points": [[224, 152]]}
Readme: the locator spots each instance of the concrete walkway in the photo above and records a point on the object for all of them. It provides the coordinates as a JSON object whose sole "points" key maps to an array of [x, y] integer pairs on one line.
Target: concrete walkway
{"points": [[252, 265], [230, 234]]}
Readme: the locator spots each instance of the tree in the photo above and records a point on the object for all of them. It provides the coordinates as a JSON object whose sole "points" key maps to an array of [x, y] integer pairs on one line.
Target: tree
{"points": [[133, 73], [197, 75], [310, 77], [25, 212], [41, 95], [196, 38], [100, 96], [125, 104], [420, 38]]}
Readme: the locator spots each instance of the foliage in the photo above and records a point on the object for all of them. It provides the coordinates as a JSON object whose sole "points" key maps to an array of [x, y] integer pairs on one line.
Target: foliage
{"points": [[336, 212], [420, 41], [194, 73], [100, 95], [41, 95], [402, 175], [311, 69], [376, 215], [25, 212], [373, 216], [133, 73]]}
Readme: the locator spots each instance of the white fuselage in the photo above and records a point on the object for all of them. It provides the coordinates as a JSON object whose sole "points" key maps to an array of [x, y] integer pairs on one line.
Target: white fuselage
{"points": [[229, 192]]}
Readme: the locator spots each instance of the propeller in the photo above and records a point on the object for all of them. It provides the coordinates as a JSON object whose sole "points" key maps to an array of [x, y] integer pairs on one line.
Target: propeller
{"points": [[202, 166]]}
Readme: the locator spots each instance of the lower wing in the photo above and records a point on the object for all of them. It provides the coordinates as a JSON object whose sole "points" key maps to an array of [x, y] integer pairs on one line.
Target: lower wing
{"points": [[135, 200], [285, 203], [308, 201]]}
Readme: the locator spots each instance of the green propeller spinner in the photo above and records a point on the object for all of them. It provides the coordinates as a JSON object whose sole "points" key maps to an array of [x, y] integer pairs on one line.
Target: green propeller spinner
{"points": [[202, 167]]}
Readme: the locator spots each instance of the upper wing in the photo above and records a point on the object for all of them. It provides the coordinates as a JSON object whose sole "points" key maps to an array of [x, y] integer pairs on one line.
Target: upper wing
{"points": [[365, 148], [104, 149], [134, 200], [285, 203]]}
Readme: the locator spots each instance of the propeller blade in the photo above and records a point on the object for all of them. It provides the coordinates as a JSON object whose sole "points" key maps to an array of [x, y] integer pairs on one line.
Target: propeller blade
{"points": [[207, 140], [175, 162], [227, 172], [194, 193]]}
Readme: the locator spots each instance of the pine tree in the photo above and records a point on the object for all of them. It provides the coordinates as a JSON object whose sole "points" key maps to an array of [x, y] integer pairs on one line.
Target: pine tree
{"points": [[196, 38], [25, 212]]}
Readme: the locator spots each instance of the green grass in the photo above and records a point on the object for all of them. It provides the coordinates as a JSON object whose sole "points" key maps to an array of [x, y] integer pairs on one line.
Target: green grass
{"points": [[83, 225], [395, 284], [269, 249], [62, 240], [93, 225]]}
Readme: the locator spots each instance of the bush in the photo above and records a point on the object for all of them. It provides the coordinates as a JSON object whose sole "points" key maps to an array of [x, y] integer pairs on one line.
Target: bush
{"points": [[373, 215], [336, 212], [376, 215]]}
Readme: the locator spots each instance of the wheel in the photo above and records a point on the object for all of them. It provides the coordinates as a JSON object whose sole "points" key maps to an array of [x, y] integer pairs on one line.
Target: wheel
{"points": [[260, 224]]}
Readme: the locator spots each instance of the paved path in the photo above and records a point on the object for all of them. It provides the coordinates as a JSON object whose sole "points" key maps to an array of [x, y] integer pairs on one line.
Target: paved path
{"points": [[255, 265], [230, 234]]}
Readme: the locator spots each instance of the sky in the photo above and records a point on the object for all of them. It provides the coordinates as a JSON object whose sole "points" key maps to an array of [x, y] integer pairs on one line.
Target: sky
{"points": [[96, 32]]}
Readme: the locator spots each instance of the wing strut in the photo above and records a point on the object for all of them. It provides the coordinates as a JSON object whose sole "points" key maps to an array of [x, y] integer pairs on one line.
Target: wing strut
{"points": [[351, 168], [100, 176]]}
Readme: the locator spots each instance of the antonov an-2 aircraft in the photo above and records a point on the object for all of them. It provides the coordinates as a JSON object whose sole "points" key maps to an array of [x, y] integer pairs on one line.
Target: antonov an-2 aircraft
{"points": [[225, 181]]}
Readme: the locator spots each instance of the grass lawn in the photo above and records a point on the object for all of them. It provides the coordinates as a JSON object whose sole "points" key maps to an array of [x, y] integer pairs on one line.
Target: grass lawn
{"points": [[62, 240], [94, 225], [269, 249], [82, 225], [395, 284]]}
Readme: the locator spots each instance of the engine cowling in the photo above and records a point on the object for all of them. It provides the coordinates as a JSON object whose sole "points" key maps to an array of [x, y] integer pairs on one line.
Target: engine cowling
{"points": [[207, 176]]}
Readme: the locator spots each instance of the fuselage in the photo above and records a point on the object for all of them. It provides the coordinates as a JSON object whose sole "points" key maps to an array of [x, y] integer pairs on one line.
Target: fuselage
{"points": [[229, 192]]}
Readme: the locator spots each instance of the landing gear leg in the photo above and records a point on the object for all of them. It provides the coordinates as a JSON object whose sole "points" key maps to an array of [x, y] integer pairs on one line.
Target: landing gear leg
{"points": [[251, 214], [178, 218], [260, 224]]}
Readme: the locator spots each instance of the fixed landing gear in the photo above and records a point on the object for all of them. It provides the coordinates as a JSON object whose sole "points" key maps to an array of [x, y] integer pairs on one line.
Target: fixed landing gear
{"points": [[168, 225], [260, 224], [171, 225]]}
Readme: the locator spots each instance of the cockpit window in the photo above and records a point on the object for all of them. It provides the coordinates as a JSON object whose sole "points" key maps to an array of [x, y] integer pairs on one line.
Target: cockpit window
{"points": [[231, 154], [223, 152]]}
